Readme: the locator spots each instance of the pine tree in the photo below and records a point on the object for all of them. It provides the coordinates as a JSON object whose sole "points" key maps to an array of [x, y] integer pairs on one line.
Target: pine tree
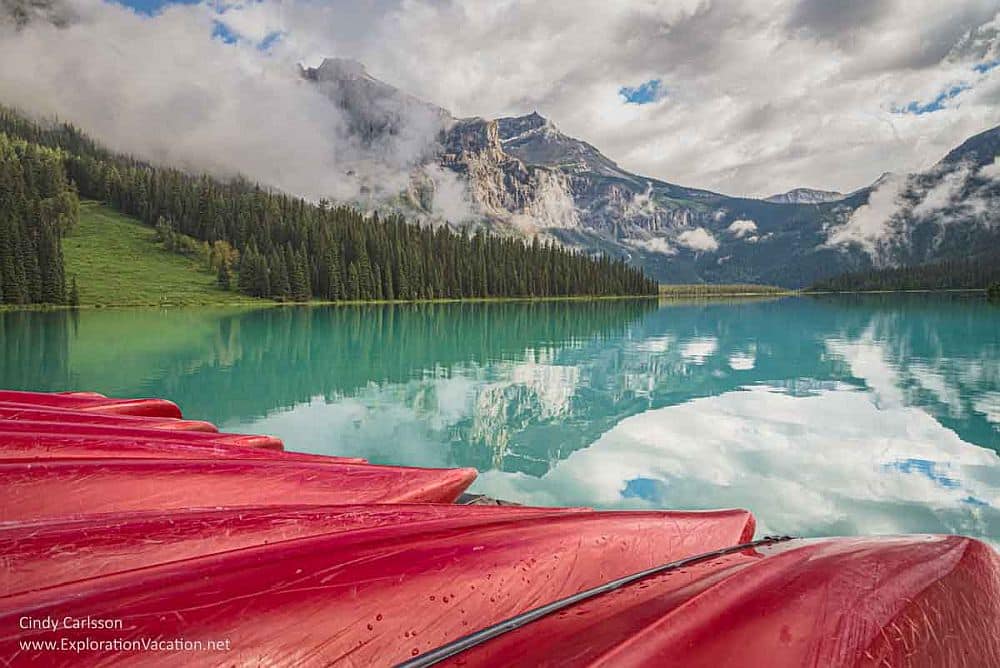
{"points": [[353, 282], [334, 270], [223, 278], [298, 285], [74, 294]]}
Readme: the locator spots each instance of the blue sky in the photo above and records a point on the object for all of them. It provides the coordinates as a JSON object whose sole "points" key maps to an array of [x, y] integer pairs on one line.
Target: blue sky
{"points": [[644, 93], [153, 6], [940, 102]]}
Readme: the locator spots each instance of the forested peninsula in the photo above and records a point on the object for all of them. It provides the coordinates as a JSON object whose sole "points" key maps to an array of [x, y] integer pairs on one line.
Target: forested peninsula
{"points": [[260, 242]]}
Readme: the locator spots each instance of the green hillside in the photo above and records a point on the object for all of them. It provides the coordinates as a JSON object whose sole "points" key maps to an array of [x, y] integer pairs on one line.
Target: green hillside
{"points": [[117, 261]]}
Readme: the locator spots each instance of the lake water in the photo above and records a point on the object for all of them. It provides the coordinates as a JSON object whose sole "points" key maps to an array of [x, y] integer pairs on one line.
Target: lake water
{"points": [[835, 415]]}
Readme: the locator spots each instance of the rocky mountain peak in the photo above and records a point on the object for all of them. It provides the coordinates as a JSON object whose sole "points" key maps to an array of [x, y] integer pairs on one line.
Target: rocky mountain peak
{"points": [[980, 149], [339, 69], [805, 196], [512, 127]]}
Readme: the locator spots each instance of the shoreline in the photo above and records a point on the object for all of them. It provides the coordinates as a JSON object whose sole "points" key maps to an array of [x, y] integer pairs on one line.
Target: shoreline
{"points": [[671, 295], [268, 303]]}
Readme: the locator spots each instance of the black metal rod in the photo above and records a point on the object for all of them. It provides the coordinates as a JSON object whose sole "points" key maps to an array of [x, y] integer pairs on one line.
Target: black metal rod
{"points": [[479, 637]]}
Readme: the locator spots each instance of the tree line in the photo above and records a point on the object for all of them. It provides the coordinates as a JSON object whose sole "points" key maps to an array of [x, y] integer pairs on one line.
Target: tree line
{"points": [[287, 248], [977, 272], [38, 205]]}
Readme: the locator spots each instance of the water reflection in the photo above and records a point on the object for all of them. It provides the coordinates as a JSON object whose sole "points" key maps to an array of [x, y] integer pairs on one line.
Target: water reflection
{"points": [[834, 415]]}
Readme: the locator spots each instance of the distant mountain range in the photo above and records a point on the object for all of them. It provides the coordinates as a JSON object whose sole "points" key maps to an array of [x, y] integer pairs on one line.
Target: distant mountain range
{"points": [[522, 175]]}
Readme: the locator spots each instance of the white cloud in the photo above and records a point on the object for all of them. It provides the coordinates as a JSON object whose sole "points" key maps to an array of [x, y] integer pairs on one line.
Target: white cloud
{"points": [[869, 224], [698, 239], [763, 97], [700, 350], [944, 193], [851, 466], [741, 228], [991, 171], [742, 361], [162, 88], [654, 245]]}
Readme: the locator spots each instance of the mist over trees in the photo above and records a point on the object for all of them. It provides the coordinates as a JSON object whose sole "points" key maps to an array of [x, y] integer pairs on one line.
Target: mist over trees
{"points": [[268, 244]]}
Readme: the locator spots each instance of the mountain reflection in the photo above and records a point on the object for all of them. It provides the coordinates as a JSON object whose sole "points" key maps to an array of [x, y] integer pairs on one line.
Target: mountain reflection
{"points": [[824, 415]]}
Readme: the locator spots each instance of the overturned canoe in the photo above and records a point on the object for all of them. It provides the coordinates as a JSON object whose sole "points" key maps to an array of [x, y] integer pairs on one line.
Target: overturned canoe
{"points": [[54, 487], [373, 596], [147, 407], [47, 553], [45, 430], [18, 446], [897, 601], [19, 412]]}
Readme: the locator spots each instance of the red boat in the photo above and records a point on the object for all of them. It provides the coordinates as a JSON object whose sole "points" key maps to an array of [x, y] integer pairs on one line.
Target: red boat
{"points": [[372, 596], [897, 601], [46, 553], [110, 444], [86, 402], [11, 411], [45, 430], [54, 487], [127, 534]]}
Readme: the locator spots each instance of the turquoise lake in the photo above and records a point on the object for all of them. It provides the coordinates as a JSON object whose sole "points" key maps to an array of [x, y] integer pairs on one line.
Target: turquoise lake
{"points": [[833, 415]]}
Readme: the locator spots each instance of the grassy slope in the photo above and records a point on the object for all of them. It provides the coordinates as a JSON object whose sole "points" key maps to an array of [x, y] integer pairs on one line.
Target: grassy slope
{"points": [[117, 262]]}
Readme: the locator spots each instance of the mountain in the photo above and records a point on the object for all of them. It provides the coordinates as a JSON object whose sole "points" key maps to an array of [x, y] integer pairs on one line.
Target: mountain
{"points": [[950, 211], [522, 175], [805, 196]]}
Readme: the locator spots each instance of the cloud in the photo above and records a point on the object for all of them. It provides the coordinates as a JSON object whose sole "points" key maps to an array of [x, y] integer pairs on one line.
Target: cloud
{"points": [[742, 228], [699, 350], [764, 97], [991, 171], [868, 225], [698, 239], [653, 245], [836, 20], [944, 193], [208, 89], [761, 446]]}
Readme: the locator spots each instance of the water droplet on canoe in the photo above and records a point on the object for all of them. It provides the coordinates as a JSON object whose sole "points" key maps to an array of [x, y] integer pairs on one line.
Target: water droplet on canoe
{"points": [[432, 598], [378, 617], [414, 651], [370, 627]]}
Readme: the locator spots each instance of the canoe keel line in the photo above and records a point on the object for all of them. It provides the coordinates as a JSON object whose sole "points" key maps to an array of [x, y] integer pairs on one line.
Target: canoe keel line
{"points": [[464, 643], [302, 559]]}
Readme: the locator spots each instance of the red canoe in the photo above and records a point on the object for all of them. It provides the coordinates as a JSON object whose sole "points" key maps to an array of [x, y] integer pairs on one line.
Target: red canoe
{"points": [[910, 601], [16, 446], [148, 407], [366, 597], [50, 488], [28, 412], [46, 429], [47, 553]]}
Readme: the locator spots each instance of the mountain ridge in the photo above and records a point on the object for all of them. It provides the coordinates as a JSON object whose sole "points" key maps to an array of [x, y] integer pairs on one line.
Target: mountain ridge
{"points": [[522, 175]]}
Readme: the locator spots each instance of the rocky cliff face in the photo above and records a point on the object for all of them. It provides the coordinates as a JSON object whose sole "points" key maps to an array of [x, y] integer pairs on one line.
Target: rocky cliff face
{"points": [[805, 196], [522, 175]]}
